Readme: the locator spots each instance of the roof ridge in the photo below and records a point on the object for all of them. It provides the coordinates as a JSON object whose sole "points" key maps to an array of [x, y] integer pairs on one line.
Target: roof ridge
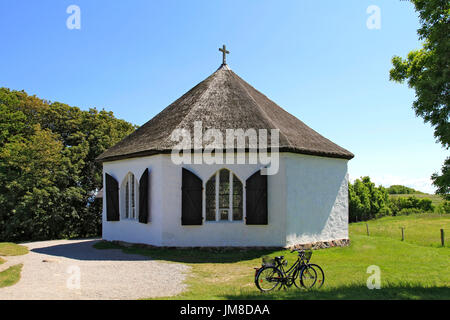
{"points": [[206, 81], [259, 108]]}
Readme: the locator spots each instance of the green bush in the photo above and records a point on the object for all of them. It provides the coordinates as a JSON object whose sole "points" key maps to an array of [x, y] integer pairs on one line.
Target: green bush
{"points": [[399, 189], [366, 201], [443, 208], [385, 211], [399, 203], [408, 211]]}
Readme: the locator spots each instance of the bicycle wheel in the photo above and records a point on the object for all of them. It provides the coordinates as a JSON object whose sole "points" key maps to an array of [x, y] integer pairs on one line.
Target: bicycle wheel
{"points": [[308, 277], [320, 275], [268, 278]]}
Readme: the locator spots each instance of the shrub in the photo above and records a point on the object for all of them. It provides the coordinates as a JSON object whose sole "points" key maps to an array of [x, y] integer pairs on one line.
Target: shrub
{"points": [[408, 211], [443, 207], [400, 203], [385, 211], [398, 189]]}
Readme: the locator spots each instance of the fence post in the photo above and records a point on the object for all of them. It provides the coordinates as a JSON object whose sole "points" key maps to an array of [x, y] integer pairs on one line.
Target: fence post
{"points": [[442, 238], [403, 233], [367, 227]]}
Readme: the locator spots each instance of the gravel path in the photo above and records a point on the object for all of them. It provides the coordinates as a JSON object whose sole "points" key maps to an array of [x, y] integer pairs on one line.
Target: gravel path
{"points": [[50, 272]]}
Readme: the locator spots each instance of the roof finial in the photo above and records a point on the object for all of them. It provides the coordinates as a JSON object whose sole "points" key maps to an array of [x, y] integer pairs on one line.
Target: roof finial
{"points": [[224, 52]]}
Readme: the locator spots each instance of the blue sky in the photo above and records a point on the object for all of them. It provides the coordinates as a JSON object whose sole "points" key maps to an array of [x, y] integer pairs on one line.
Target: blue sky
{"points": [[316, 59]]}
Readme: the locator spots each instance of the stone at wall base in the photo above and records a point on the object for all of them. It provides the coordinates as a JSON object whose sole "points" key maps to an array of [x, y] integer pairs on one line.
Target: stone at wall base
{"points": [[312, 246], [322, 244]]}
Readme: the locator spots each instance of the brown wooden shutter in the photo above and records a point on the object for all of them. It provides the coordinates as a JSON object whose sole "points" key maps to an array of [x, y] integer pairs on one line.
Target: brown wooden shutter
{"points": [[191, 199], [143, 197], [112, 199], [256, 199]]}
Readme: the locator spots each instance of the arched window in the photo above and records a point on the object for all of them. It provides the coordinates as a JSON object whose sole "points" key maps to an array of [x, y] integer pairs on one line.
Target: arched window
{"points": [[224, 199], [129, 197]]}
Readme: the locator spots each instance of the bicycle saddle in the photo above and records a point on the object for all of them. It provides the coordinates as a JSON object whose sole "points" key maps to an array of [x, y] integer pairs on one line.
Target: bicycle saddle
{"points": [[279, 258]]}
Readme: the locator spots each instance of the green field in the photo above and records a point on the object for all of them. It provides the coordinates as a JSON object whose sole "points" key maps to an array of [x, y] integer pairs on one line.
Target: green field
{"points": [[411, 269], [421, 229]]}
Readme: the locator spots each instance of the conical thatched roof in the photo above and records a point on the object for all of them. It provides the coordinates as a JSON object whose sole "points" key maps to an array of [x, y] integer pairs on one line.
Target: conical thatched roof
{"points": [[223, 101]]}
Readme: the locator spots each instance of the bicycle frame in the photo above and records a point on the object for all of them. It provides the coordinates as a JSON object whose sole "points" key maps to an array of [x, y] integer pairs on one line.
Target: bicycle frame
{"points": [[292, 272]]}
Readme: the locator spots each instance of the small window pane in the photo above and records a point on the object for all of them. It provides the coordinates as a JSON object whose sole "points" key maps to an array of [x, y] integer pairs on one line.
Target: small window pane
{"points": [[133, 207], [224, 214], [224, 189], [211, 199], [237, 199], [127, 200]]}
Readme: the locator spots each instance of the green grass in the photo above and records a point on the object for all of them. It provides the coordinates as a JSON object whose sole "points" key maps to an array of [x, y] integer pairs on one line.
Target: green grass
{"points": [[409, 270], [423, 229], [12, 249], [10, 276]]}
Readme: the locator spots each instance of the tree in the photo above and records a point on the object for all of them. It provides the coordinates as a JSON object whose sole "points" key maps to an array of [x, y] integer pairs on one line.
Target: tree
{"points": [[47, 166], [366, 201], [427, 71]]}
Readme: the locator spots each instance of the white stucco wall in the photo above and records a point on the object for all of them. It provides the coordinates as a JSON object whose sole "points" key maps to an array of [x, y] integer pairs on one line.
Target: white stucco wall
{"points": [[307, 202], [317, 199], [219, 233], [131, 230]]}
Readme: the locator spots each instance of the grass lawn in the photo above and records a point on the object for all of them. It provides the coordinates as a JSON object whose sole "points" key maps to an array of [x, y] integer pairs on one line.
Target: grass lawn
{"points": [[409, 270], [12, 249], [422, 229], [10, 276]]}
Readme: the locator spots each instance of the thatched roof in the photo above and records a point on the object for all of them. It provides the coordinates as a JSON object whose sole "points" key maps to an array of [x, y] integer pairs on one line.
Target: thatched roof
{"points": [[223, 101]]}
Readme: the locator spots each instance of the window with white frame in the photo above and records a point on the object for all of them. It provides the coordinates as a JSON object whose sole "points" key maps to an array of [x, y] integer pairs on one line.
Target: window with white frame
{"points": [[129, 195], [224, 197]]}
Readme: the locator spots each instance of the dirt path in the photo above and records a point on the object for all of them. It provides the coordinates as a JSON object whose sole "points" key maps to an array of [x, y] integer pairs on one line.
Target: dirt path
{"points": [[52, 268]]}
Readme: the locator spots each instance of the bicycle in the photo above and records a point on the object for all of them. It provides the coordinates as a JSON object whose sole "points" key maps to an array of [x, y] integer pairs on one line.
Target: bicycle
{"points": [[302, 274]]}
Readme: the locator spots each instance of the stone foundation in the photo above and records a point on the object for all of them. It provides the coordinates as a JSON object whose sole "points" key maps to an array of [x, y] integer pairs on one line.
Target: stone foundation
{"points": [[312, 246], [322, 244]]}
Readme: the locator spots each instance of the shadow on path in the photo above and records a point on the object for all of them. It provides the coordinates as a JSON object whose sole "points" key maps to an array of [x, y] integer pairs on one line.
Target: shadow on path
{"points": [[84, 250]]}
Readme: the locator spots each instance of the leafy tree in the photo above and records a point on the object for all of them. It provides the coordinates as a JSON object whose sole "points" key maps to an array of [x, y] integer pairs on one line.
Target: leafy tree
{"points": [[366, 201], [427, 70], [399, 189], [47, 166]]}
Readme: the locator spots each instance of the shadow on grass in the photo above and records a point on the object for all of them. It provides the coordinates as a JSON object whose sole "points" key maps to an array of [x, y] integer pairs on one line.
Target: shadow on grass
{"points": [[192, 255], [352, 292]]}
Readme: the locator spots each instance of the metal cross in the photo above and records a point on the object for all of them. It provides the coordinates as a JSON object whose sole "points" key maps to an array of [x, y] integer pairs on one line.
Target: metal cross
{"points": [[224, 52]]}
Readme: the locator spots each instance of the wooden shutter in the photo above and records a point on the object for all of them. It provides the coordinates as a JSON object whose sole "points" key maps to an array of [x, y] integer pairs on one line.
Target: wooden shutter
{"points": [[191, 199], [112, 199], [143, 197], [256, 199]]}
